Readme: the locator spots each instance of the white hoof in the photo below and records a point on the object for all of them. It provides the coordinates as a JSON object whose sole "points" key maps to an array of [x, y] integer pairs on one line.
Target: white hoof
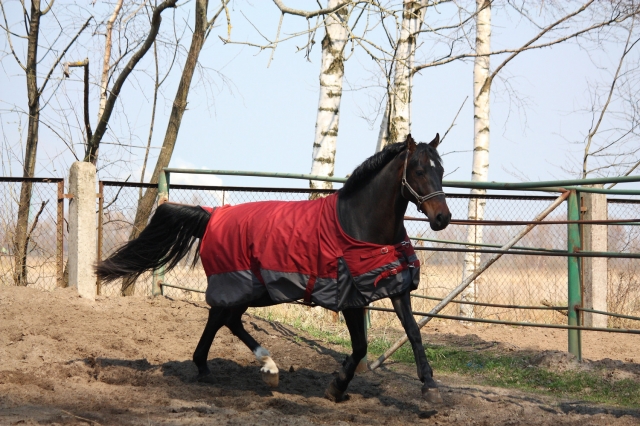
{"points": [[270, 379], [269, 370]]}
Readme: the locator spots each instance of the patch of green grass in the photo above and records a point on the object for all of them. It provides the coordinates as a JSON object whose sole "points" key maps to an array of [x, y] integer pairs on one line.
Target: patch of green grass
{"points": [[507, 370]]}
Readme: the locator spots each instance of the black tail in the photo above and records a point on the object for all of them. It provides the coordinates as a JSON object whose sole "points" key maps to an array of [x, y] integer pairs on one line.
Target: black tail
{"points": [[168, 237]]}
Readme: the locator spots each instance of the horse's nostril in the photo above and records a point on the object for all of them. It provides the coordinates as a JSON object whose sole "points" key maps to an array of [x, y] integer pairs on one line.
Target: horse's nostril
{"points": [[439, 219]]}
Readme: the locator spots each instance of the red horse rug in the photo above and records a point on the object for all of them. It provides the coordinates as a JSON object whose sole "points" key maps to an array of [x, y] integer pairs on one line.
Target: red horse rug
{"points": [[298, 250]]}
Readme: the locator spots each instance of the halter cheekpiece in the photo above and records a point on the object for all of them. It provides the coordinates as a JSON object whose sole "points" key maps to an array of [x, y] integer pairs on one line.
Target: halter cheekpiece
{"points": [[420, 198]]}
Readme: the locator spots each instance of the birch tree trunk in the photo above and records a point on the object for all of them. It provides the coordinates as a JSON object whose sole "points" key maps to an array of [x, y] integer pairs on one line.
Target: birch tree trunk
{"points": [[175, 119], [399, 114], [104, 80], [331, 75], [480, 167], [383, 135], [29, 166]]}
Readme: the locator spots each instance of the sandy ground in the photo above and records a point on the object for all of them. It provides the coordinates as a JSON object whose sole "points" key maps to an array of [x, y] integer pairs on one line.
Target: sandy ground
{"points": [[65, 360]]}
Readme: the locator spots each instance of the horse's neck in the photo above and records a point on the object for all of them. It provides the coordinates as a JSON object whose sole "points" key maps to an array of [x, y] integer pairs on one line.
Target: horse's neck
{"points": [[375, 213]]}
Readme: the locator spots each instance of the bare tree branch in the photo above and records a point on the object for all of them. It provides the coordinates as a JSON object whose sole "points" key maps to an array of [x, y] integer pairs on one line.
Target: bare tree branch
{"points": [[288, 10], [6, 28], [595, 128], [61, 55], [92, 148]]}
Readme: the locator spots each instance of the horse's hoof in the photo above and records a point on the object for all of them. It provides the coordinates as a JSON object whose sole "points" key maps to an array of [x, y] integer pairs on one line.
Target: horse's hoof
{"points": [[271, 379], [432, 395], [205, 378], [333, 394]]}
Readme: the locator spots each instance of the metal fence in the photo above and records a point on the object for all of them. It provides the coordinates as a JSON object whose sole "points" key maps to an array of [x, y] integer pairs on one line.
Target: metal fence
{"points": [[532, 280], [623, 281], [519, 280], [44, 259]]}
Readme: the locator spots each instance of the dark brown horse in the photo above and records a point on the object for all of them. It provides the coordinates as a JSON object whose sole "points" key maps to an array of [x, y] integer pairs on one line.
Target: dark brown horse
{"points": [[370, 208]]}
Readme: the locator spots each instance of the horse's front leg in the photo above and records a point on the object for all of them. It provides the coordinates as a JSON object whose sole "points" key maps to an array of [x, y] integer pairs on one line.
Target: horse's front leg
{"points": [[402, 306], [269, 370], [355, 323]]}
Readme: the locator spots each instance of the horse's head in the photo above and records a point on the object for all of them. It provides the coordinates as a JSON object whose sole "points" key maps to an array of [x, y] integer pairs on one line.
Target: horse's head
{"points": [[422, 181]]}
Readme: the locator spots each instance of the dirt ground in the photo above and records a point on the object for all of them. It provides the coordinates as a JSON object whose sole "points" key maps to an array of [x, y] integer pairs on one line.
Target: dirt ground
{"points": [[66, 360]]}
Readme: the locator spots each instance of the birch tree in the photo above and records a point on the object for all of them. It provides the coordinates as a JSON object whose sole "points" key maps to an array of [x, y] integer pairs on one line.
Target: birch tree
{"points": [[481, 132], [331, 76], [396, 122]]}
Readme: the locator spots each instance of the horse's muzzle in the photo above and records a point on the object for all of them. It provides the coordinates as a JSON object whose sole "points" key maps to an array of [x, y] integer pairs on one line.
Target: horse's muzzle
{"points": [[438, 214]]}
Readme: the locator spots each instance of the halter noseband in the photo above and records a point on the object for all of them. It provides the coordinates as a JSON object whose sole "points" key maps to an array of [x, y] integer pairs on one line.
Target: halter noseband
{"points": [[420, 198]]}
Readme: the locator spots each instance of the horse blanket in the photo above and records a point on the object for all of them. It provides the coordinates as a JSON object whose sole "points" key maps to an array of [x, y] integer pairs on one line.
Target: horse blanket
{"points": [[298, 250]]}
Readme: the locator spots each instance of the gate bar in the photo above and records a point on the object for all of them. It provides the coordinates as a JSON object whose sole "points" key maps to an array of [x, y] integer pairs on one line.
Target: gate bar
{"points": [[551, 186], [574, 288], [163, 196], [524, 324]]}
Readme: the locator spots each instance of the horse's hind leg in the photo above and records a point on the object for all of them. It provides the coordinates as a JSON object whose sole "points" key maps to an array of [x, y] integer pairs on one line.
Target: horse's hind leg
{"points": [[216, 320], [355, 323], [269, 369]]}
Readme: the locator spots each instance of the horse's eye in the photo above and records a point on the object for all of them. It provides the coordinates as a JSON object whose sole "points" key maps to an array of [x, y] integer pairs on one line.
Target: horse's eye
{"points": [[419, 173]]}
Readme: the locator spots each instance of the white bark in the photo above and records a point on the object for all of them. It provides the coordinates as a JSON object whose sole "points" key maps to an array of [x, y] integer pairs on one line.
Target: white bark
{"points": [[331, 74], [399, 117], [383, 136], [480, 167], [107, 58]]}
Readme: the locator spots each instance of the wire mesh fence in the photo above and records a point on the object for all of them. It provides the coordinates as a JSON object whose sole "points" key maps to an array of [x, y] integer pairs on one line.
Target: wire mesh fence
{"points": [[623, 282], [532, 280], [521, 280], [512, 280], [43, 234]]}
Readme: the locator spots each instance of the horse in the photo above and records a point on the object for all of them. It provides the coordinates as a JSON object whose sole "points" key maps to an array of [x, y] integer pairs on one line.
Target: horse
{"points": [[368, 212]]}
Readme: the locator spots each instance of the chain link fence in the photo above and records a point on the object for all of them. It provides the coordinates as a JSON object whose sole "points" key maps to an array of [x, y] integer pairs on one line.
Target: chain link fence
{"points": [[623, 283], [521, 280], [44, 252], [531, 280]]}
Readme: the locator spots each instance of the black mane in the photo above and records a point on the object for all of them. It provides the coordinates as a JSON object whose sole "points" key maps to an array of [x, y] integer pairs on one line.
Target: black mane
{"points": [[370, 167]]}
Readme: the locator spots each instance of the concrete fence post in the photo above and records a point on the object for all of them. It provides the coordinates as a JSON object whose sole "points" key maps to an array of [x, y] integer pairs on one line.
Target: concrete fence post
{"points": [[595, 268], [82, 228]]}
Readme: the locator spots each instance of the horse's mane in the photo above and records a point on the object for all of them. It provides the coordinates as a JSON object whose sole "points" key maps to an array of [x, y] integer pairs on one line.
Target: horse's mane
{"points": [[370, 167]]}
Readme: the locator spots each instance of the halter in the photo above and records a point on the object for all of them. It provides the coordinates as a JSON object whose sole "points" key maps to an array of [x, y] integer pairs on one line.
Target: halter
{"points": [[420, 198]]}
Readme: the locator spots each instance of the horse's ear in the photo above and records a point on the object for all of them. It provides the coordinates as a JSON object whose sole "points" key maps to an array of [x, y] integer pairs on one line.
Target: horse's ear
{"points": [[411, 144], [436, 141]]}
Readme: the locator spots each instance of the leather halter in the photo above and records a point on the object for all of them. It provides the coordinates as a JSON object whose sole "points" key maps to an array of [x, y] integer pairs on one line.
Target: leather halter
{"points": [[419, 198]]}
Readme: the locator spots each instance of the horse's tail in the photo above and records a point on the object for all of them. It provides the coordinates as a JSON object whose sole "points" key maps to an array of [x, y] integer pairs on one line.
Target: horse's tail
{"points": [[171, 233]]}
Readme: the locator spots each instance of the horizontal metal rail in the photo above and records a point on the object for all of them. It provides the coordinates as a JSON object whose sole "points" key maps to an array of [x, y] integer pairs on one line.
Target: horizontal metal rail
{"points": [[540, 253], [462, 243], [523, 324], [543, 184], [219, 188], [611, 314], [256, 174], [31, 179], [182, 288], [530, 222], [496, 305], [451, 184]]}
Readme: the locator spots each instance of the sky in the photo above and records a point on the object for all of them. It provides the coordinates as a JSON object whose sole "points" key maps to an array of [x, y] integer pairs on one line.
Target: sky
{"points": [[243, 115]]}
